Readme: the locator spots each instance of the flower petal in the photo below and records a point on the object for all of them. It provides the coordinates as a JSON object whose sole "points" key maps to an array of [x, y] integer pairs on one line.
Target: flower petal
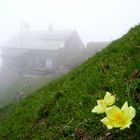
{"points": [[125, 110], [129, 112], [101, 102], [125, 106], [132, 112], [109, 99], [126, 126], [115, 123], [111, 112], [107, 122], [99, 109]]}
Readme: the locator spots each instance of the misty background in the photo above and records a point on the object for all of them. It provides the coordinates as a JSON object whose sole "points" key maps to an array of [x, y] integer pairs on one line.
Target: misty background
{"points": [[96, 23], [94, 20]]}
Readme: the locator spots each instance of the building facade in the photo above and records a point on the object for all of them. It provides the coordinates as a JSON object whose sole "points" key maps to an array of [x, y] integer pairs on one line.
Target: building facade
{"points": [[39, 52]]}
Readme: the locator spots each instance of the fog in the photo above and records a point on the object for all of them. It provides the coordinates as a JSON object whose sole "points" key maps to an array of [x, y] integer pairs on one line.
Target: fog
{"points": [[40, 40]]}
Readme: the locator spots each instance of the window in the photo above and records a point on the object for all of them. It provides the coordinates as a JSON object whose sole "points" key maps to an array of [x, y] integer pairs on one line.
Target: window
{"points": [[49, 63]]}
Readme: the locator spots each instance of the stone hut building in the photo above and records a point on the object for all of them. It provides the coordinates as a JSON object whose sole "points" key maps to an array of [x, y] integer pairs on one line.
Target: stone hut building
{"points": [[39, 52]]}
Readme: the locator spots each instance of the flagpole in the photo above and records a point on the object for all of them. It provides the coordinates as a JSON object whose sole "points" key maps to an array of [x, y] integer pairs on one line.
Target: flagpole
{"points": [[21, 34]]}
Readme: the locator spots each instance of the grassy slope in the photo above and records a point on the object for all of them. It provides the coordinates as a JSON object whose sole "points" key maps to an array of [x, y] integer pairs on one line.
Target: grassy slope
{"points": [[7, 94], [62, 109]]}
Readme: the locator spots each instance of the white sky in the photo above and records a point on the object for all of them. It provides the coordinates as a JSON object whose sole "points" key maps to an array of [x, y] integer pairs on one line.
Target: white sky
{"points": [[94, 20]]}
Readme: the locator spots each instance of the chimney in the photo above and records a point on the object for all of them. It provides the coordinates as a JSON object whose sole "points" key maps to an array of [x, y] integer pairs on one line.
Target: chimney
{"points": [[50, 28]]}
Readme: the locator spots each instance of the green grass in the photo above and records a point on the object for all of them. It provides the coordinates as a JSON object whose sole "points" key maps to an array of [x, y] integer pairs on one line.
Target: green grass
{"points": [[61, 110], [7, 94]]}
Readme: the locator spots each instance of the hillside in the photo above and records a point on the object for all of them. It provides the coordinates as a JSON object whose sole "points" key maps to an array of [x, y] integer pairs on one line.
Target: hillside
{"points": [[62, 109], [14, 88], [21, 88]]}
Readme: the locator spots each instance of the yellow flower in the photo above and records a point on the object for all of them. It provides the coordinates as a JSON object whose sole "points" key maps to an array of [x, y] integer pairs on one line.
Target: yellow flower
{"points": [[104, 103], [119, 118]]}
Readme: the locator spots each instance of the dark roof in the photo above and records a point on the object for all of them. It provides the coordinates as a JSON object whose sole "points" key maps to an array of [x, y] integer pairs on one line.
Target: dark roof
{"points": [[49, 40]]}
